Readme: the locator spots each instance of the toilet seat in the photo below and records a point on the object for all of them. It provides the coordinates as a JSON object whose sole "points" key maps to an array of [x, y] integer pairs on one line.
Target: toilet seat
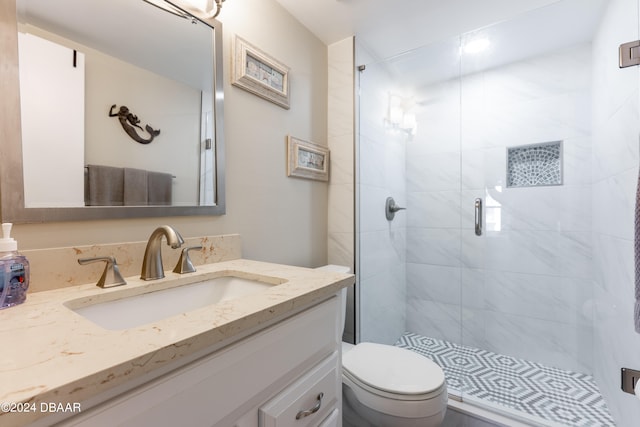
{"points": [[393, 371], [395, 396], [394, 380]]}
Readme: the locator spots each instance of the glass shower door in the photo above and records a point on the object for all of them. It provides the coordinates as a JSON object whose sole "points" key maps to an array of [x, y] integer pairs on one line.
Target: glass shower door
{"points": [[525, 301], [527, 261], [381, 244], [409, 266], [434, 322]]}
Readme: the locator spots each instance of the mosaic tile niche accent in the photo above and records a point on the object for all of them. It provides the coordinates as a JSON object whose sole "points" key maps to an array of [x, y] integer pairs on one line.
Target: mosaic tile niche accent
{"points": [[535, 165]]}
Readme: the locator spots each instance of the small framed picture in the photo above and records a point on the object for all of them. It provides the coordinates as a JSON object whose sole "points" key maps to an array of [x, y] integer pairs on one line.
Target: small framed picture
{"points": [[307, 160], [260, 74]]}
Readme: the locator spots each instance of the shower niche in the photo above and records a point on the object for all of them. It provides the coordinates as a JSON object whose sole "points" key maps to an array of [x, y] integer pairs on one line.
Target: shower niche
{"points": [[535, 165]]}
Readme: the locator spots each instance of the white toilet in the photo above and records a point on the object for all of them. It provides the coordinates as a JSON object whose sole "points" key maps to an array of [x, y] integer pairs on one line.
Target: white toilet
{"points": [[388, 386]]}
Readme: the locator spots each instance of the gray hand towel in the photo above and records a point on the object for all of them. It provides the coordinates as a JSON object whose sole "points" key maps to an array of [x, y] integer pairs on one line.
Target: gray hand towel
{"points": [[106, 185], [135, 187], [159, 188]]}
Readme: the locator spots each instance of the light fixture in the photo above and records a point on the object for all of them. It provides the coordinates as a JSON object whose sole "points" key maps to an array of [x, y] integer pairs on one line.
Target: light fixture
{"points": [[400, 115], [395, 112], [476, 45], [210, 8]]}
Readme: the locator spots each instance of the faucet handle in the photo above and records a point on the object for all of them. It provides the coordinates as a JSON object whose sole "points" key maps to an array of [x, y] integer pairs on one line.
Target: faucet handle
{"points": [[110, 276], [184, 264]]}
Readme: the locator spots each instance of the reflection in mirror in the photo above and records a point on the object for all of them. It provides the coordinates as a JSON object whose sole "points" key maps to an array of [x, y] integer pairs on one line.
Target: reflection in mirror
{"points": [[117, 110]]}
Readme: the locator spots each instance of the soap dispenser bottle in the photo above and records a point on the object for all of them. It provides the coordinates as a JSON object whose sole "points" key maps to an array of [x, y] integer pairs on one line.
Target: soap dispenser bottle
{"points": [[14, 271]]}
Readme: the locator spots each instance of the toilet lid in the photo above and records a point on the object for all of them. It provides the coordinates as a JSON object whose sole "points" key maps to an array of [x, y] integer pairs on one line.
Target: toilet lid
{"points": [[392, 369]]}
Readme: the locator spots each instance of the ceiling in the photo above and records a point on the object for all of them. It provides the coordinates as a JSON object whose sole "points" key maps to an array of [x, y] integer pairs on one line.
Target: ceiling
{"points": [[387, 28], [419, 41]]}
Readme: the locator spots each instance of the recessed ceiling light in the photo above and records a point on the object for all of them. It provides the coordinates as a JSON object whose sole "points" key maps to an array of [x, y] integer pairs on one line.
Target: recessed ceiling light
{"points": [[476, 45]]}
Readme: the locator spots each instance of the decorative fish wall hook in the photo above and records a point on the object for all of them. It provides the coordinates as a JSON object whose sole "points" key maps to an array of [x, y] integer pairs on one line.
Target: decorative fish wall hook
{"points": [[129, 122]]}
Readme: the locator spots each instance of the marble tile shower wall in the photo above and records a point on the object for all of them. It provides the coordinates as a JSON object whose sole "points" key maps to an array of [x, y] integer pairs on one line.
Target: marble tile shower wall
{"points": [[524, 287], [433, 216], [382, 243], [341, 194], [340, 140], [616, 126]]}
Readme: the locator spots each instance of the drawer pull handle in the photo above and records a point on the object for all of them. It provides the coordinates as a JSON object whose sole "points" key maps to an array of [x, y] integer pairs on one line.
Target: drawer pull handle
{"points": [[311, 411]]}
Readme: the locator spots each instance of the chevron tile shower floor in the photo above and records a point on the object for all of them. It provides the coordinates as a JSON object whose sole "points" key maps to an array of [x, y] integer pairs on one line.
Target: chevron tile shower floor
{"points": [[546, 393]]}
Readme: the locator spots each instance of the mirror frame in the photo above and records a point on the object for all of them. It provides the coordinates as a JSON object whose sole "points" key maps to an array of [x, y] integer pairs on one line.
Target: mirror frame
{"points": [[12, 208]]}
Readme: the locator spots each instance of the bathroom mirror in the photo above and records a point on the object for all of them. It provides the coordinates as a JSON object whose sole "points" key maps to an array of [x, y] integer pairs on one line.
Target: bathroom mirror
{"points": [[130, 125]]}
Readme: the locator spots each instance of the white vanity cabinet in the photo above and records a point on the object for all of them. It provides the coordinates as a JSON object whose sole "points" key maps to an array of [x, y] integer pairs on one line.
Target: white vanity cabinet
{"points": [[264, 380], [307, 401]]}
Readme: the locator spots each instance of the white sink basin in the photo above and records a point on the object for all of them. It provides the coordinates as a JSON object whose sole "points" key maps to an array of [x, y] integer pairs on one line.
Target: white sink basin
{"points": [[132, 311]]}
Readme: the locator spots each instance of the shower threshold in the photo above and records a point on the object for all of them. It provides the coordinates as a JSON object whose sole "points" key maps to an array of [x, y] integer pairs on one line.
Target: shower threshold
{"points": [[522, 388]]}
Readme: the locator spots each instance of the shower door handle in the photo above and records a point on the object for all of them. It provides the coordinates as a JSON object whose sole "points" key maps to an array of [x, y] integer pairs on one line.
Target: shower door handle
{"points": [[478, 216]]}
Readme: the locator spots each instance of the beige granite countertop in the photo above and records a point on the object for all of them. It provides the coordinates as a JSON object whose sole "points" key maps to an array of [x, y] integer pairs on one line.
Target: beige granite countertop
{"points": [[51, 354]]}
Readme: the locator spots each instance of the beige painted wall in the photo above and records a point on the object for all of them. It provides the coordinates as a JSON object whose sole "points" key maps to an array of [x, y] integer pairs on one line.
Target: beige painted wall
{"points": [[280, 219]]}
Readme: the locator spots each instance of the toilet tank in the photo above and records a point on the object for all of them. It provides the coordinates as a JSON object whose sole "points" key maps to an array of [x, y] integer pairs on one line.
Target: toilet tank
{"points": [[343, 295]]}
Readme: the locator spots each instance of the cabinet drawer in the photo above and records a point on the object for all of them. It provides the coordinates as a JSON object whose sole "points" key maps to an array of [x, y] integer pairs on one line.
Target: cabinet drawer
{"points": [[331, 420], [308, 400]]}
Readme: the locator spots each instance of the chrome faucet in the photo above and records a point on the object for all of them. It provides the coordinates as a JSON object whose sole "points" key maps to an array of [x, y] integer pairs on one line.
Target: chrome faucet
{"points": [[152, 264]]}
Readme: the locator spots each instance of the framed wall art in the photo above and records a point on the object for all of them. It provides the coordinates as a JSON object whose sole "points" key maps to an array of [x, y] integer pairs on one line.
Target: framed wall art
{"points": [[307, 160], [260, 74]]}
